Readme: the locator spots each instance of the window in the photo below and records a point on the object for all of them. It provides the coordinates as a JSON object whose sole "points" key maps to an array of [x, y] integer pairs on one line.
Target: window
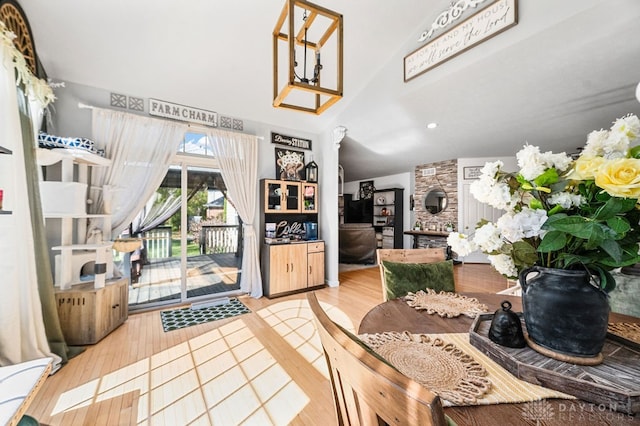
{"points": [[196, 144]]}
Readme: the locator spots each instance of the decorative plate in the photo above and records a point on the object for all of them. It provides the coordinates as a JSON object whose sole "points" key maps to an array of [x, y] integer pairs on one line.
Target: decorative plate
{"points": [[381, 200]]}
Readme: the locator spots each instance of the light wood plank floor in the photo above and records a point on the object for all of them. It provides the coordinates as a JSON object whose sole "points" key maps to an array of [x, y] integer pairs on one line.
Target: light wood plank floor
{"points": [[225, 372]]}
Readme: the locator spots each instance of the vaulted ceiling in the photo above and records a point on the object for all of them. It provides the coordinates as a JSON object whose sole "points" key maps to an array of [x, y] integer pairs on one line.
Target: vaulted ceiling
{"points": [[567, 67]]}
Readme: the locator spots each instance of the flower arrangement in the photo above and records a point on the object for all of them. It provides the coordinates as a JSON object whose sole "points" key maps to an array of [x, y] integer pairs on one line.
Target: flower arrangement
{"points": [[563, 213]]}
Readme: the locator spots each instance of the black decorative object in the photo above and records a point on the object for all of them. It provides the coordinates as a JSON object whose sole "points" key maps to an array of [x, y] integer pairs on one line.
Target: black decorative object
{"points": [[311, 170], [506, 328], [564, 312], [366, 190]]}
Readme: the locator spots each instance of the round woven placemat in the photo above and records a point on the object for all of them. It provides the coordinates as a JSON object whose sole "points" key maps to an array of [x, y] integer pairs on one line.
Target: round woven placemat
{"points": [[445, 304], [441, 367]]}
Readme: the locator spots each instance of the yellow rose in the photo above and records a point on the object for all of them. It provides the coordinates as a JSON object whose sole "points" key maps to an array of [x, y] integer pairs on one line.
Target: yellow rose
{"points": [[585, 168], [620, 177]]}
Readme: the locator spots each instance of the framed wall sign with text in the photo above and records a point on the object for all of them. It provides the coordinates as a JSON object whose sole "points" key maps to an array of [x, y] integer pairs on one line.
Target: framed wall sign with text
{"points": [[490, 21], [473, 172]]}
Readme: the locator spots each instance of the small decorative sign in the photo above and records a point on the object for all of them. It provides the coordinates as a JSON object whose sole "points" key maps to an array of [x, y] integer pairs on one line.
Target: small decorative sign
{"points": [[479, 27], [182, 113], [472, 172], [291, 141]]}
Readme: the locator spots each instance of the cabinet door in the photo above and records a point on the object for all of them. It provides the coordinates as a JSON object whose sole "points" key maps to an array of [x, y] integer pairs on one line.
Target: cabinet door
{"points": [[274, 196], [119, 299], [316, 269], [293, 198], [279, 269], [298, 275], [282, 197], [309, 197]]}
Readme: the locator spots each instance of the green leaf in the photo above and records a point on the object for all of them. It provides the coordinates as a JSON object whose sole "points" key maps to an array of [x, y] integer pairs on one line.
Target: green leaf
{"points": [[547, 178], [535, 204], [577, 226], [521, 180], [597, 235], [619, 225], [523, 254], [635, 152], [553, 241], [614, 206], [607, 282], [613, 249]]}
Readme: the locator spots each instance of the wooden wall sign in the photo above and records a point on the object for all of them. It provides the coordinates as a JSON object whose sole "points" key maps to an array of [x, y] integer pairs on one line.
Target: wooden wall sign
{"points": [[183, 113], [479, 27], [290, 141]]}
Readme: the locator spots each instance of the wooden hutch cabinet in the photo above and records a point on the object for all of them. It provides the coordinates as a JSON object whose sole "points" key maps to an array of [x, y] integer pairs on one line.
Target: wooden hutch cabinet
{"points": [[291, 260]]}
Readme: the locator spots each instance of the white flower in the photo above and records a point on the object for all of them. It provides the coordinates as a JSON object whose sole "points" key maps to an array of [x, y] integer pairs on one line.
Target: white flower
{"points": [[489, 190], [566, 200], [491, 169], [530, 163], [504, 265], [613, 143], [616, 146], [496, 194], [524, 224], [461, 244], [487, 237], [533, 163], [560, 161], [596, 141], [629, 125]]}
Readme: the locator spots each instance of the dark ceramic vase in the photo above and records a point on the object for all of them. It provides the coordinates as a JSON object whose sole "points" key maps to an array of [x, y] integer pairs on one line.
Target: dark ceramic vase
{"points": [[563, 311]]}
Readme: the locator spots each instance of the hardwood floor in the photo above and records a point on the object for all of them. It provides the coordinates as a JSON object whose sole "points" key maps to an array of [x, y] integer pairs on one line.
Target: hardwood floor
{"points": [[243, 367]]}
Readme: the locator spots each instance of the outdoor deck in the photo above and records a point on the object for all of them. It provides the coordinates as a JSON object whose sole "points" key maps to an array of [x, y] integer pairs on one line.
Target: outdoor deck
{"points": [[206, 274]]}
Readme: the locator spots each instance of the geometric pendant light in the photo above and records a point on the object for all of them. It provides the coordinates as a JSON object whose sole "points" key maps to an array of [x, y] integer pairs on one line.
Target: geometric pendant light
{"points": [[310, 58]]}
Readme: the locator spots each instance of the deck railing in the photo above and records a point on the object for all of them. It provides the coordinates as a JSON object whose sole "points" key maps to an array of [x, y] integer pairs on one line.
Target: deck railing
{"points": [[158, 243], [212, 239], [220, 239]]}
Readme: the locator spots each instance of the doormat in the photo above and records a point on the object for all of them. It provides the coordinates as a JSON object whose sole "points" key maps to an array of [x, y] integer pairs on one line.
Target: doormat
{"points": [[186, 317]]}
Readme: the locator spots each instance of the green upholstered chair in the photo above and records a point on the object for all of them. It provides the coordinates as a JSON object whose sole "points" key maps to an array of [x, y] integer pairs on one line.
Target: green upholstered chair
{"points": [[410, 270]]}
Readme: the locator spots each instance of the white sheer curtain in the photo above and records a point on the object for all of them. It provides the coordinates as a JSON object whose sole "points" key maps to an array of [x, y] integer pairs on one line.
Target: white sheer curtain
{"points": [[141, 149], [237, 155], [22, 330]]}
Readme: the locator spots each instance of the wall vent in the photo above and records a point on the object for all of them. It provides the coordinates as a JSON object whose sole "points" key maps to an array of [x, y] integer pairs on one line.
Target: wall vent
{"points": [[429, 172]]}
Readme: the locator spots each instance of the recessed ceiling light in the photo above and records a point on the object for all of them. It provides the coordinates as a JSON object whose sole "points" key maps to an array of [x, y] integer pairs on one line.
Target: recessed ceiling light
{"points": [[432, 125]]}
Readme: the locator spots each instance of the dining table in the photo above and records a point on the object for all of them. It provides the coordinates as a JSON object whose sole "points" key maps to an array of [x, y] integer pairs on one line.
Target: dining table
{"points": [[397, 315]]}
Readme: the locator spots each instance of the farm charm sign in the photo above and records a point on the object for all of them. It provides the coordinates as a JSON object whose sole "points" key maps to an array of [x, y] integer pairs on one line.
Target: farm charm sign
{"points": [[182, 113], [479, 27], [290, 141]]}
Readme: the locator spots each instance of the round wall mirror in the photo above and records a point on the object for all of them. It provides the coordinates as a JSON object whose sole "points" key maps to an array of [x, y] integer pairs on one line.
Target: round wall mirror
{"points": [[435, 201]]}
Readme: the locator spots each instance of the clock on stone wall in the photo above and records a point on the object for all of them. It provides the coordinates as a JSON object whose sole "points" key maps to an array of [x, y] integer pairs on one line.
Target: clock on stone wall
{"points": [[15, 20]]}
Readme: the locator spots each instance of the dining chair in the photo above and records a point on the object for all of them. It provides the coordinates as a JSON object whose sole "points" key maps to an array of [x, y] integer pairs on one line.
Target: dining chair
{"points": [[367, 390], [422, 264]]}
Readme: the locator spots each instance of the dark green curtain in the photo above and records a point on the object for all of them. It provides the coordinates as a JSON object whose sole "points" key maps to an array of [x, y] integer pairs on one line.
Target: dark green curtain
{"points": [[53, 330]]}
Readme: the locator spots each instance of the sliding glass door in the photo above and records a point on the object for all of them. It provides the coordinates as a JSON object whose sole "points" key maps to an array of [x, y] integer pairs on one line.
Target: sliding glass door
{"points": [[192, 243]]}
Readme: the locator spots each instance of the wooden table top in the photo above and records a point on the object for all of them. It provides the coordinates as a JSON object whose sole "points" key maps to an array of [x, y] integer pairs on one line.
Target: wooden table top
{"points": [[396, 315]]}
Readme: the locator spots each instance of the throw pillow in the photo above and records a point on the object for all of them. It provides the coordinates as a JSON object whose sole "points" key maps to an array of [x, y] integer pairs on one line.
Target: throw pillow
{"points": [[402, 278]]}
